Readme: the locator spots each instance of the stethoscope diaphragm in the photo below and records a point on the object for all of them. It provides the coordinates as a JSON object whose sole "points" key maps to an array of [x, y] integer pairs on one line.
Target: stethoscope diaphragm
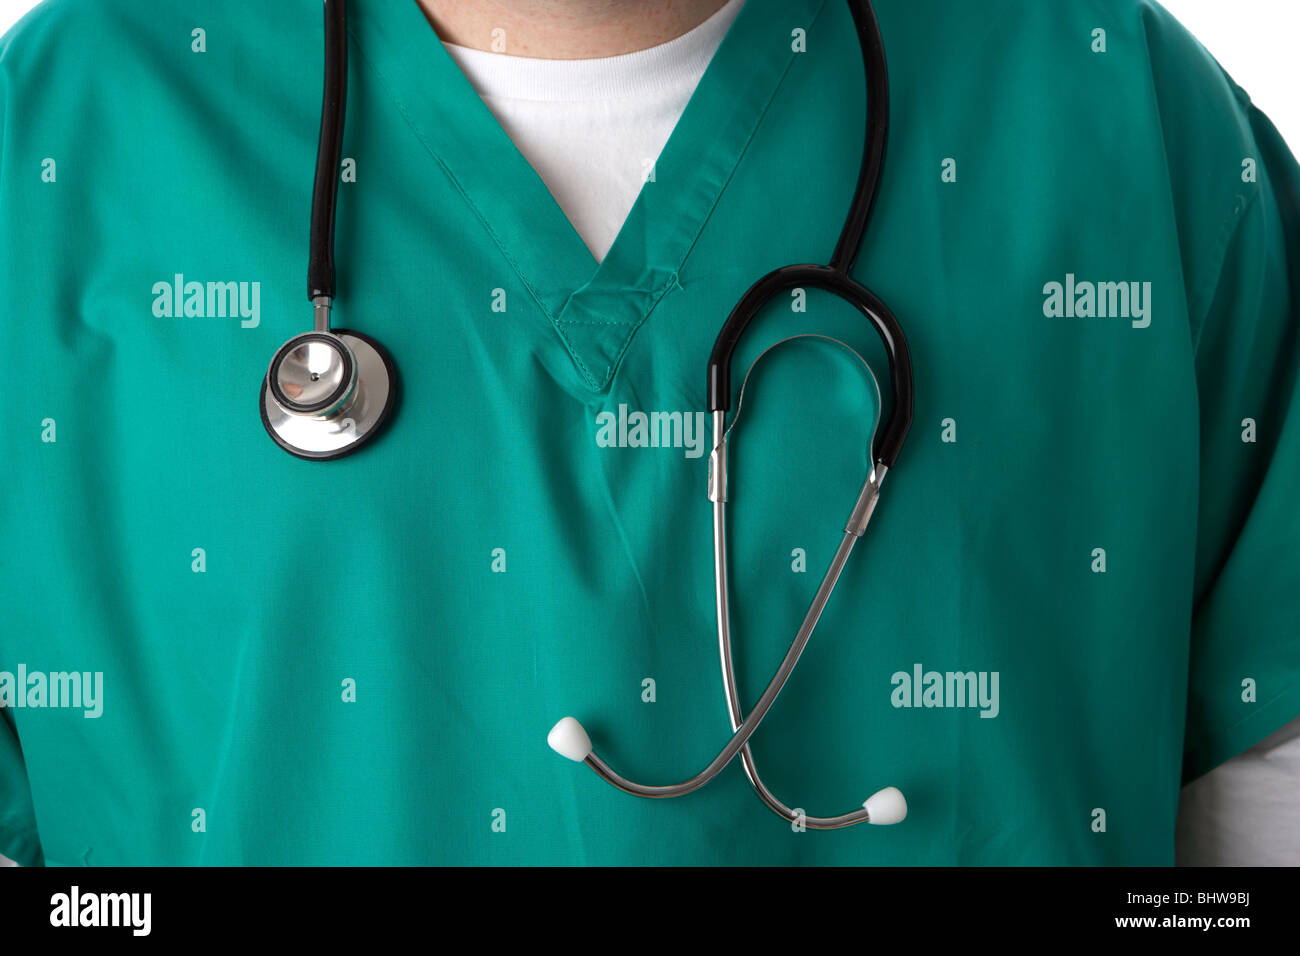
{"points": [[313, 374], [327, 393]]}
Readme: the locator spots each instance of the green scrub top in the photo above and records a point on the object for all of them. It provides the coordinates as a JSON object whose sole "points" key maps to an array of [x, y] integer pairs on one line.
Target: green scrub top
{"points": [[1079, 590]]}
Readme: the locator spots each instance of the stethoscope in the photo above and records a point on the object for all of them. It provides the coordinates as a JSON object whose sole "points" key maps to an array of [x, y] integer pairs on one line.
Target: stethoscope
{"points": [[328, 392]]}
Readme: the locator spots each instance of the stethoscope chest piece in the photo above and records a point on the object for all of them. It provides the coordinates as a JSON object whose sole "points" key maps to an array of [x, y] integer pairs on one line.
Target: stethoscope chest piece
{"points": [[327, 393]]}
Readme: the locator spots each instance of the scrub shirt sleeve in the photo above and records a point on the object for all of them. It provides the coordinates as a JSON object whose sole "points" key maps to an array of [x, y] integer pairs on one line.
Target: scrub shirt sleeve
{"points": [[1244, 668], [18, 838]]}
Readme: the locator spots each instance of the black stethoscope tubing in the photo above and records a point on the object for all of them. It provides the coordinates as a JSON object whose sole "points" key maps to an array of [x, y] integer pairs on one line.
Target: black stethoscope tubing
{"points": [[329, 152], [834, 277]]}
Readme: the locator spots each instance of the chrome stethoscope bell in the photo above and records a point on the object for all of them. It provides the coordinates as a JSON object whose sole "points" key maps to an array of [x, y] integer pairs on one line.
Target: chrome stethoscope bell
{"points": [[327, 392]]}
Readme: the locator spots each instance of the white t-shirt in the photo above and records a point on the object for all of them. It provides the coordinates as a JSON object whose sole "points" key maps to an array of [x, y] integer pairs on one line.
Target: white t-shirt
{"points": [[592, 129]]}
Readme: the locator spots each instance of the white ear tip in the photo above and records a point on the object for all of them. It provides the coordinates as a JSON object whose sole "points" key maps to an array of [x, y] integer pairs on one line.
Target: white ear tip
{"points": [[568, 739], [886, 806]]}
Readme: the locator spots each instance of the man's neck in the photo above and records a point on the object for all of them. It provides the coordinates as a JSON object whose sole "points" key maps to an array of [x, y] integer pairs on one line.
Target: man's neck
{"points": [[565, 29]]}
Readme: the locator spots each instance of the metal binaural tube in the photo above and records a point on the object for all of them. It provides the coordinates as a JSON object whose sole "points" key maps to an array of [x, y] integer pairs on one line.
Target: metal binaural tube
{"points": [[743, 727], [750, 724], [721, 590], [857, 523]]}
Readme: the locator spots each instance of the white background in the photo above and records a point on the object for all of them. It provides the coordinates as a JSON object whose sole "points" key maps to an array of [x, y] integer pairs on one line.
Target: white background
{"points": [[1253, 39]]}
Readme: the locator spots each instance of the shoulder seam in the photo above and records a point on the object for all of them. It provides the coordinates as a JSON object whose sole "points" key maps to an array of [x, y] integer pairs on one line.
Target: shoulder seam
{"points": [[1202, 299]]}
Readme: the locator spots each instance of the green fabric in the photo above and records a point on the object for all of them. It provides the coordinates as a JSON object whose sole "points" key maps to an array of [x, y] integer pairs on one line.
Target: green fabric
{"points": [[224, 688]]}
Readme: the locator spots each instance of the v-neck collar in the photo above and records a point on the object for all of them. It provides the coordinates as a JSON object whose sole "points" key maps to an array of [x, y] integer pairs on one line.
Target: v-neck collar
{"points": [[595, 309]]}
